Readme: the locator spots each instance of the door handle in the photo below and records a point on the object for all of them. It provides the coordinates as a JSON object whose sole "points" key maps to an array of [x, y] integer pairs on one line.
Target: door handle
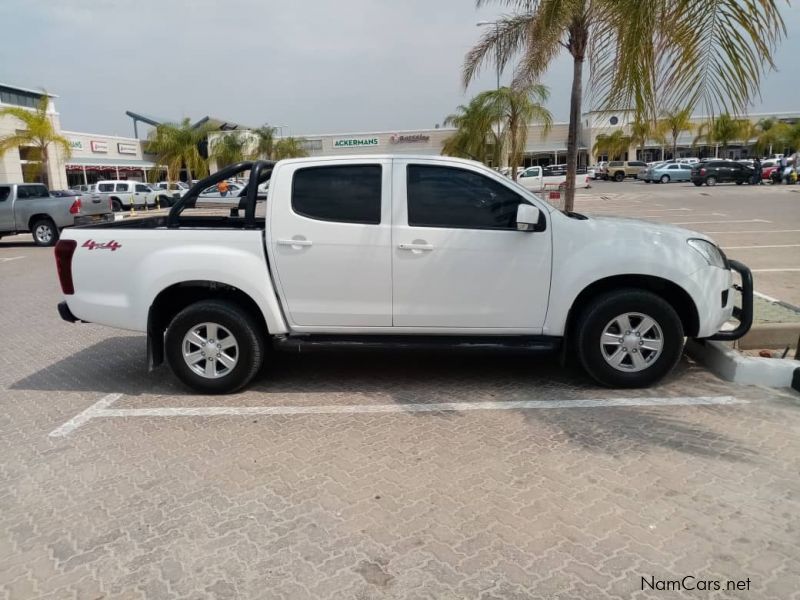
{"points": [[295, 242], [415, 246]]}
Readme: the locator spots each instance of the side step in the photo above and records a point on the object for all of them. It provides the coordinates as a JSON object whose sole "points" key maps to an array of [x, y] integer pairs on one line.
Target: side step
{"points": [[482, 343]]}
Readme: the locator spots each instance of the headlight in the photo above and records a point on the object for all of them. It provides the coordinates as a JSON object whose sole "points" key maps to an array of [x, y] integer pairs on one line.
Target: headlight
{"points": [[710, 252]]}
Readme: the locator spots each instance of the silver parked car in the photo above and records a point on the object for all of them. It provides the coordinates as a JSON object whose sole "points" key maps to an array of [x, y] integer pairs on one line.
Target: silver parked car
{"points": [[668, 172]]}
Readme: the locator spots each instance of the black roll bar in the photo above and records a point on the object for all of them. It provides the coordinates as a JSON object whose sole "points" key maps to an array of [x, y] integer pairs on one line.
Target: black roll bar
{"points": [[260, 170]]}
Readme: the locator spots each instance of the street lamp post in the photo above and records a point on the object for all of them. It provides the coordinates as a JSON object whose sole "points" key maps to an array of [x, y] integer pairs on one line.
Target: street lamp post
{"points": [[497, 69]]}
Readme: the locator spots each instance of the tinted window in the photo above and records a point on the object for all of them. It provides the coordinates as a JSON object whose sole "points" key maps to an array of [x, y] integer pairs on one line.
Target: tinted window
{"points": [[615, 163], [142, 188], [673, 167], [5, 191], [105, 187], [459, 199], [347, 194], [32, 191], [686, 167], [122, 187], [637, 164]]}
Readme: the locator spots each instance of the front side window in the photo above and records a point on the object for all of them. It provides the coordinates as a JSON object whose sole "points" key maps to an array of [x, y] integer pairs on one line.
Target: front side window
{"points": [[5, 191], [345, 194], [459, 199], [142, 188]]}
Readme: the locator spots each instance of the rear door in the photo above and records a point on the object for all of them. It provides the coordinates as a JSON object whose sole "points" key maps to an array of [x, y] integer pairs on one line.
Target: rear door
{"points": [[330, 236], [30, 201]]}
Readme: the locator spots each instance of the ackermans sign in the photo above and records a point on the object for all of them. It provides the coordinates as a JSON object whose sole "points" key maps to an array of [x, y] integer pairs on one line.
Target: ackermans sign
{"points": [[354, 142]]}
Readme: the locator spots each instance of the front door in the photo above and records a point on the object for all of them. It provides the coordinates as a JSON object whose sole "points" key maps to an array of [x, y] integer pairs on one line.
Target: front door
{"points": [[459, 262], [331, 244], [6, 210]]}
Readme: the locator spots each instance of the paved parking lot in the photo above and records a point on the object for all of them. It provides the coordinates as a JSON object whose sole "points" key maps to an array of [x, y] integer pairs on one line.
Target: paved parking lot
{"points": [[391, 475]]}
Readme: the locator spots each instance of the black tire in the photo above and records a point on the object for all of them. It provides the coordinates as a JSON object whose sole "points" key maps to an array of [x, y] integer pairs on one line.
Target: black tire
{"points": [[697, 183], [240, 323], [620, 176], [116, 205], [597, 316], [740, 182], [664, 179], [711, 180], [45, 232]]}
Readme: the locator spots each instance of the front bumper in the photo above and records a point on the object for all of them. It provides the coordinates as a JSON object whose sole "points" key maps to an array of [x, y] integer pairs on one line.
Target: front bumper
{"points": [[743, 313]]}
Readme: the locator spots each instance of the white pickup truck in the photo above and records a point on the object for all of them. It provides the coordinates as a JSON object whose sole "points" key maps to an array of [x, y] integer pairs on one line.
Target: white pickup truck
{"points": [[411, 251], [538, 179]]}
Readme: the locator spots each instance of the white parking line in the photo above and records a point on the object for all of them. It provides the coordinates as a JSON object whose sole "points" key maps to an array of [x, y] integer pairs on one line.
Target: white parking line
{"points": [[732, 221], [789, 270], [94, 410], [10, 258], [101, 410], [756, 231], [756, 247], [765, 297]]}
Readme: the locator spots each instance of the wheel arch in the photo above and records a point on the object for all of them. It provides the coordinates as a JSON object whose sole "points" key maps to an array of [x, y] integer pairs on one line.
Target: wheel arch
{"points": [[174, 298], [671, 292], [38, 216]]}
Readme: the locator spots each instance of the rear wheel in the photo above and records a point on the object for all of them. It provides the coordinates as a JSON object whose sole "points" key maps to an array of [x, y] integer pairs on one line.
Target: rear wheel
{"points": [[711, 180], [116, 205], [619, 176], [664, 179], [45, 232], [740, 182], [697, 183], [214, 346], [629, 338]]}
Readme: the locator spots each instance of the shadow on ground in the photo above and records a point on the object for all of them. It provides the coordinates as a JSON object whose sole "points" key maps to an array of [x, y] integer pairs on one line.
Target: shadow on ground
{"points": [[117, 365]]}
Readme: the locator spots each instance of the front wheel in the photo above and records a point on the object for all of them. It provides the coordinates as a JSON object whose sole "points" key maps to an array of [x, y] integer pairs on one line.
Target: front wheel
{"points": [[214, 346], [629, 338], [45, 232], [711, 181], [619, 177]]}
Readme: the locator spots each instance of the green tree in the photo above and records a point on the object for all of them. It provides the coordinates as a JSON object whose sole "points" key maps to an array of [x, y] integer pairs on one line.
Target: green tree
{"points": [[39, 133], [613, 145], [721, 131], [264, 143], [289, 147], [638, 51], [176, 145], [513, 109], [674, 122], [228, 149], [771, 133], [642, 129], [474, 137]]}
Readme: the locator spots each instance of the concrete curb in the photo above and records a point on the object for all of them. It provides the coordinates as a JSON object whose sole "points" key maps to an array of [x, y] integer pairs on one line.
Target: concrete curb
{"points": [[727, 363], [770, 335]]}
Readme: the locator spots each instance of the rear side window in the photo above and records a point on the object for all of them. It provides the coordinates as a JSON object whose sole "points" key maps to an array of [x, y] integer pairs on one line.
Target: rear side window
{"points": [[686, 167], [615, 163], [32, 191], [105, 187], [345, 194], [459, 199], [5, 191], [638, 164], [122, 187]]}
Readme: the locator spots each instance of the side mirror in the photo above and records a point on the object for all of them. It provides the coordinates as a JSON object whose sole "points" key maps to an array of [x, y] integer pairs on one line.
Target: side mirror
{"points": [[527, 217]]}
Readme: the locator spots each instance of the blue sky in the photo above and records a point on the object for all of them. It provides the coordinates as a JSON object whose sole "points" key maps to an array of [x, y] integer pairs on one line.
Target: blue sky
{"points": [[316, 66]]}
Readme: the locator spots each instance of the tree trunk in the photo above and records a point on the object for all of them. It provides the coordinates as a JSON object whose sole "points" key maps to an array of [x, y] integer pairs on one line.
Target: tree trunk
{"points": [[674, 147], [188, 176], [576, 97], [45, 165]]}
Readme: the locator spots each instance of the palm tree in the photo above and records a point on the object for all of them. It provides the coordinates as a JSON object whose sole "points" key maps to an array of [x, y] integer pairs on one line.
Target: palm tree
{"points": [[264, 142], [641, 130], [38, 133], [638, 52], [613, 145], [228, 149], [289, 147], [514, 109], [769, 133], [474, 137], [674, 122], [721, 131], [176, 145]]}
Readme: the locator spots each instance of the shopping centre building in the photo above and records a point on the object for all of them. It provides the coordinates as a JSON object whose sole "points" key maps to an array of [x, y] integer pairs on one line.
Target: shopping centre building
{"points": [[96, 156]]}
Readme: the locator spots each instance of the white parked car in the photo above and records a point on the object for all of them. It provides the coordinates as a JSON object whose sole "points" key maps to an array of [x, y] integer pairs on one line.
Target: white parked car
{"points": [[539, 178], [423, 251], [126, 194]]}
